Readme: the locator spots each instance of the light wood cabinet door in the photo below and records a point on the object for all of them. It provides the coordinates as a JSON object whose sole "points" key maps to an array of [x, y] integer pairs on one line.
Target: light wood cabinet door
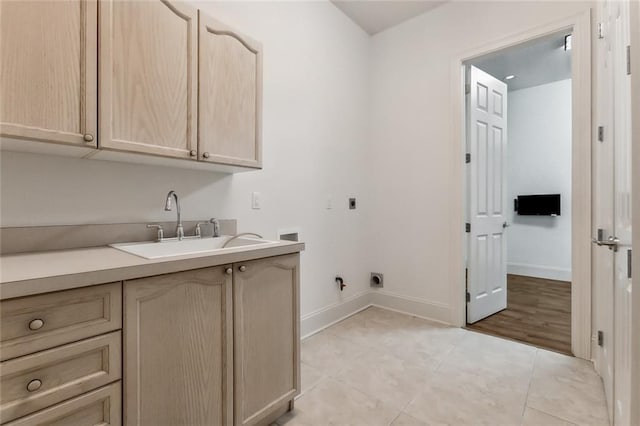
{"points": [[230, 95], [266, 336], [178, 349], [148, 77], [48, 77]]}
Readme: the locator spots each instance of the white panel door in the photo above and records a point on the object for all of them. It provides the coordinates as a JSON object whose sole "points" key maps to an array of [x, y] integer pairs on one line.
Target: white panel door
{"points": [[487, 140], [603, 223], [613, 198], [620, 33]]}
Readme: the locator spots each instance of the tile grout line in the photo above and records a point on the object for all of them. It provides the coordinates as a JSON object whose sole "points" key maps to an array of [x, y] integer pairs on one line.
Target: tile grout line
{"points": [[526, 399], [395, 418], [555, 416]]}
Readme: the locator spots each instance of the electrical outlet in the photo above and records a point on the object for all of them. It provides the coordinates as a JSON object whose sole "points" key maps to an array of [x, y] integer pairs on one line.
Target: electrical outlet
{"points": [[329, 203]]}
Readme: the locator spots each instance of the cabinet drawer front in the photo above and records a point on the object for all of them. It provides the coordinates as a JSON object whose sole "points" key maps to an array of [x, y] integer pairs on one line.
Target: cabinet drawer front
{"points": [[100, 407], [33, 323], [36, 381]]}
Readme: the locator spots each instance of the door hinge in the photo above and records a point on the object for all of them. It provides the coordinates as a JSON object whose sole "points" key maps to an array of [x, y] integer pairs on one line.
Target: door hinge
{"points": [[600, 30], [467, 158], [468, 297], [629, 262], [600, 338], [628, 60], [600, 133], [467, 227], [467, 89]]}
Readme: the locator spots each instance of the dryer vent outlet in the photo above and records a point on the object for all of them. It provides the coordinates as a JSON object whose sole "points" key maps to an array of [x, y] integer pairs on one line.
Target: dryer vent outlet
{"points": [[377, 280]]}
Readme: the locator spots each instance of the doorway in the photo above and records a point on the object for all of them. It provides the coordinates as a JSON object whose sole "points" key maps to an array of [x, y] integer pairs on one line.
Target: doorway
{"points": [[518, 137], [581, 138]]}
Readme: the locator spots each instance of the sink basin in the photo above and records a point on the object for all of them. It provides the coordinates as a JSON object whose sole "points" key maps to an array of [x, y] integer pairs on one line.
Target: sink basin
{"points": [[155, 250]]}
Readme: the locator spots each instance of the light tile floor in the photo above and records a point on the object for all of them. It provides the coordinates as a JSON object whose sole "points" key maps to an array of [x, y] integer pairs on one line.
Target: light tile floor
{"points": [[380, 367]]}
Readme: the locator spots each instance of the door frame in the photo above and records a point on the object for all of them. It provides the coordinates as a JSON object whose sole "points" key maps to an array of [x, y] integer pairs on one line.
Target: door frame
{"points": [[581, 140], [635, 162]]}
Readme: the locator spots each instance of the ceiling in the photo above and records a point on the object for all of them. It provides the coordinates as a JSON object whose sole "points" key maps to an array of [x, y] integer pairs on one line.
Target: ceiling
{"points": [[539, 62], [375, 16]]}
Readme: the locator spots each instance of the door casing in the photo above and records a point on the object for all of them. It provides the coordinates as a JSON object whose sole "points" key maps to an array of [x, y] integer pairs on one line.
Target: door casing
{"points": [[635, 162], [580, 26]]}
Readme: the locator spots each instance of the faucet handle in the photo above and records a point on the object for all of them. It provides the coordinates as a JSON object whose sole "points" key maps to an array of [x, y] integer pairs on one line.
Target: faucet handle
{"points": [[160, 234], [198, 230], [216, 227]]}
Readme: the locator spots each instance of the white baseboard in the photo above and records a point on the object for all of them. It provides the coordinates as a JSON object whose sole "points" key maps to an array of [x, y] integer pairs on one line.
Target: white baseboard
{"points": [[317, 321], [432, 311], [538, 271]]}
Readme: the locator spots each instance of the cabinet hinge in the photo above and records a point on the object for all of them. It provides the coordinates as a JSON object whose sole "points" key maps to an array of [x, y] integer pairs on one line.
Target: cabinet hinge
{"points": [[629, 262], [467, 158], [628, 60], [467, 89], [467, 227], [600, 30], [600, 338], [468, 297], [600, 133]]}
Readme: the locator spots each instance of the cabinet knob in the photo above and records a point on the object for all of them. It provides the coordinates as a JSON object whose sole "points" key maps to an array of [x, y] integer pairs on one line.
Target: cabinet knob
{"points": [[229, 271], [36, 324], [88, 137], [242, 268], [193, 153], [34, 385], [205, 154]]}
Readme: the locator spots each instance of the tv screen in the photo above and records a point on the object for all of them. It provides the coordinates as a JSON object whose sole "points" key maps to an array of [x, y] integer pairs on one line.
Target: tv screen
{"points": [[538, 205]]}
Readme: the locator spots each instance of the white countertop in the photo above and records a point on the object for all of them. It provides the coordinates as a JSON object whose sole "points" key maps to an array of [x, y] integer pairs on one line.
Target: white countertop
{"points": [[32, 273]]}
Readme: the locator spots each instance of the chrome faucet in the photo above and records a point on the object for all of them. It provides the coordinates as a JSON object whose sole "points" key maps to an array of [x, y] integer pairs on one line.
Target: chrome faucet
{"points": [[168, 206]]}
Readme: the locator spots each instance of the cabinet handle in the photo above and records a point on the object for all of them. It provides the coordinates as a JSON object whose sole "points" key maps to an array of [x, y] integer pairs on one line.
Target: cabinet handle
{"points": [[205, 155], [88, 137], [36, 324], [34, 385], [242, 268], [193, 153], [229, 271]]}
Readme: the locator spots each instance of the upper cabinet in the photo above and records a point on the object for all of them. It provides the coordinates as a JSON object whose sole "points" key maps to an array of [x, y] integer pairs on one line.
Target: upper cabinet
{"points": [[230, 95], [167, 84], [48, 76], [148, 77]]}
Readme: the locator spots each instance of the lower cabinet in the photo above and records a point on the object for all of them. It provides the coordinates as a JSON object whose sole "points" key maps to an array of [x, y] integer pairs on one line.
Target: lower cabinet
{"points": [[177, 349], [213, 346], [266, 338]]}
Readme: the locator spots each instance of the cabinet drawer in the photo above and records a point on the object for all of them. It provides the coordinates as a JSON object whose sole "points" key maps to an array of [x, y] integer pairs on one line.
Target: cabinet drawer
{"points": [[36, 381], [99, 407], [33, 323]]}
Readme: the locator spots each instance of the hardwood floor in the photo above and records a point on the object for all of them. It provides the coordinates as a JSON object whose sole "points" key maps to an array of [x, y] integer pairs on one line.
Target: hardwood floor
{"points": [[538, 312]]}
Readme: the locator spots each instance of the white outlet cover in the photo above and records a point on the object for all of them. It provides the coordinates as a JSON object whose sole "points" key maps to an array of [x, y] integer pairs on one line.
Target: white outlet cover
{"points": [[256, 201], [329, 203]]}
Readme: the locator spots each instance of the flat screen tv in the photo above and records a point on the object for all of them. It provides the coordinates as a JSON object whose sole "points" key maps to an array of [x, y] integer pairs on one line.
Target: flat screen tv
{"points": [[538, 205]]}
